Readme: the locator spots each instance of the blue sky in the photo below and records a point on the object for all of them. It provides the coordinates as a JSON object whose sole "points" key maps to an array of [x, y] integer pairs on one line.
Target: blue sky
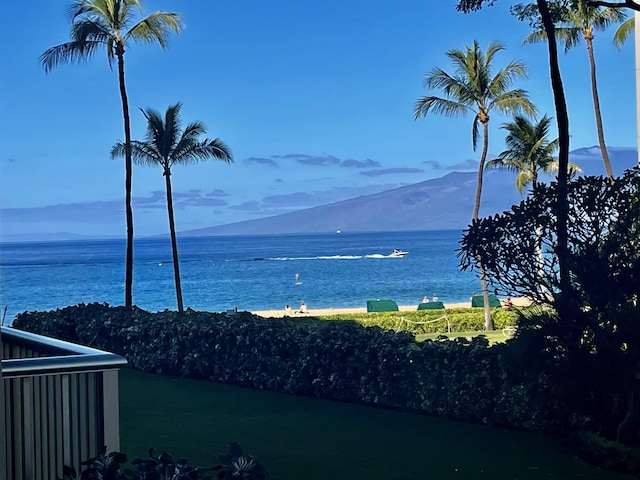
{"points": [[315, 100]]}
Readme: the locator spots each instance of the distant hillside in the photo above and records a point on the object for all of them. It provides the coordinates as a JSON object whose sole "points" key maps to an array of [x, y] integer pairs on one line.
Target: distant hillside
{"points": [[444, 203]]}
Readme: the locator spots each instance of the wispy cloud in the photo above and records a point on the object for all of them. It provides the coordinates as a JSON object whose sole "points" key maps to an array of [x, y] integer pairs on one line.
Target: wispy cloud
{"points": [[311, 160], [262, 161], [217, 193], [433, 164], [324, 160], [469, 164], [366, 163], [390, 171]]}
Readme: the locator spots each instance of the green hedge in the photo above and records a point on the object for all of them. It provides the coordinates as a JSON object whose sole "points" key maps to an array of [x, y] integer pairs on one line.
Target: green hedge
{"points": [[459, 379]]}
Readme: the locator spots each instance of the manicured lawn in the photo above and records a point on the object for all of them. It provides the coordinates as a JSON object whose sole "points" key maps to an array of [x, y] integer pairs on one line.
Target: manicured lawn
{"points": [[302, 438], [493, 337]]}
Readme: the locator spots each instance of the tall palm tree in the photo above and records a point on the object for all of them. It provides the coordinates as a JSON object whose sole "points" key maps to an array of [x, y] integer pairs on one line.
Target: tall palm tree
{"points": [[581, 22], [106, 24], [167, 145], [473, 88]]}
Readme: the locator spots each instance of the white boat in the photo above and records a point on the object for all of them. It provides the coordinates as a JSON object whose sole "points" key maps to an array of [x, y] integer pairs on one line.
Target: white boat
{"points": [[398, 253]]}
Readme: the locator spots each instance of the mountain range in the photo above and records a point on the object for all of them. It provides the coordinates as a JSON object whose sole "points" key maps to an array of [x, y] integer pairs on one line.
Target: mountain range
{"points": [[444, 203]]}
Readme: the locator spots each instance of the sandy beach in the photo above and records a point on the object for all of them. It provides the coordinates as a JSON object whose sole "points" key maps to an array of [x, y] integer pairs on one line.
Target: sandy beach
{"points": [[519, 302]]}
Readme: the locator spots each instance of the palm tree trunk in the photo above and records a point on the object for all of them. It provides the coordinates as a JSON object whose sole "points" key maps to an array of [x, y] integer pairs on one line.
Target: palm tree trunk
{"points": [[596, 107], [128, 284], [488, 321], [539, 254], [562, 213], [174, 242]]}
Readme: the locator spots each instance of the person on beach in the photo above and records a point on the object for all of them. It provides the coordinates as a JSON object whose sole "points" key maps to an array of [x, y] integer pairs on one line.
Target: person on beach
{"points": [[303, 307], [435, 297], [287, 311], [508, 303], [425, 299]]}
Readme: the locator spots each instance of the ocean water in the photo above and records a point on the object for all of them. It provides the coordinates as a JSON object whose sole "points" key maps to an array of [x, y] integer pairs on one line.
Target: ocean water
{"points": [[247, 272]]}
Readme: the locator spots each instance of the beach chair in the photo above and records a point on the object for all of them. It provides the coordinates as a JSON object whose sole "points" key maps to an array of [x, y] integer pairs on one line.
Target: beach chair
{"points": [[382, 306], [431, 306], [478, 301]]}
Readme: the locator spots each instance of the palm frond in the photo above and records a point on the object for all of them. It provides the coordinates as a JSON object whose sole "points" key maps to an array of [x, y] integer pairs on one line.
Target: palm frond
{"points": [[155, 28], [475, 132], [514, 102], [623, 32], [537, 36], [125, 12], [505, 77], [503, 163], [147, 154], [78, 8], [204, 150], [491, 52], [438, 105], [118, 150], [607, 17], [570, 36], [69, 52], [524, 178]]}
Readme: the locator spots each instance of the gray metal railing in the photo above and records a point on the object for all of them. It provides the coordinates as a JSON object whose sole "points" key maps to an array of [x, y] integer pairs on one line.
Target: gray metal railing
{"points": [[59, 405]]}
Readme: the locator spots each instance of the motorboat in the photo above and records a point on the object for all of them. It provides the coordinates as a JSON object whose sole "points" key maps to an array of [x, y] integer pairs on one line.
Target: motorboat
{"points": [[395, 253]]}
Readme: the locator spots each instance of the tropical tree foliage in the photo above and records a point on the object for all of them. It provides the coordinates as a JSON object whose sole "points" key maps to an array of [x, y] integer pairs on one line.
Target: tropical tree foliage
{"points": [[109, 24], [603, 321], [166, 144], [583, 21], [529, 151], [474, 88]]}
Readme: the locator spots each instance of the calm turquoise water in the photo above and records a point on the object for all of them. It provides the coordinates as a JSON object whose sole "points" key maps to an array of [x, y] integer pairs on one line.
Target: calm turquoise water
{"points": [[250, 272]]}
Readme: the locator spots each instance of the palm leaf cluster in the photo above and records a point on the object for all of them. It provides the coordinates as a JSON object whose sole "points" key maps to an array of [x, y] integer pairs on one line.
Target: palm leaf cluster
{"points": [[105, 24], [167, 144], [529, 150], [473, 89]]}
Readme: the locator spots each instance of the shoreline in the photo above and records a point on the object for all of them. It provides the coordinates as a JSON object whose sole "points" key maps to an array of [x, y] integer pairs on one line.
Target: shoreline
{"points": [[313, 312]]}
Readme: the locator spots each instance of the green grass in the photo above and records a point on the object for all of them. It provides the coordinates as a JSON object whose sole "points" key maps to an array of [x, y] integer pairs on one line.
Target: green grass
{"points": [[302, 438], [495, 336]]}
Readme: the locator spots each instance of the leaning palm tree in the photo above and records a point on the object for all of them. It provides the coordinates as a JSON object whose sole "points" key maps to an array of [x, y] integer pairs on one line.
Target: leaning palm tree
{"points": [[473, 88], [167, 145], [106, 24], [581, 22]]}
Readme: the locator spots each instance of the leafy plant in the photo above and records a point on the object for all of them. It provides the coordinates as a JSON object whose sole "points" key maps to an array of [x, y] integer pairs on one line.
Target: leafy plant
{"points": [[237, 465], [104, 466], [165, 467]]}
